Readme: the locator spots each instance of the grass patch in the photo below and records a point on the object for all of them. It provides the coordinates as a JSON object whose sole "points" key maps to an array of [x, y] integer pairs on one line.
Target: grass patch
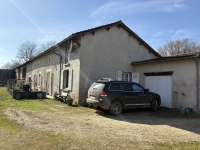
{"points": [[33, 139], [35, 105], [8, 124], [4, 95]]}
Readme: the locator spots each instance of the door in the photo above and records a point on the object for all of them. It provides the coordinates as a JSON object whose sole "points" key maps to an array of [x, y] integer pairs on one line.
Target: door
{"points": [[161, 85], [142, 97], [134, 95], [48, 85], [128, 95]]}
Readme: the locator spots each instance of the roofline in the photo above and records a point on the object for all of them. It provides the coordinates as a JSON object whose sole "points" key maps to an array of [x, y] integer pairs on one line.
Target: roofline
{"points": [[118, 23], [42, 53], [141, 40], [163, 60]]}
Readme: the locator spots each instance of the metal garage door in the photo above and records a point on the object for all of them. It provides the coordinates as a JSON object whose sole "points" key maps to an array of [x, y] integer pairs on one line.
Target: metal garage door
{"points": [[161, 85]]}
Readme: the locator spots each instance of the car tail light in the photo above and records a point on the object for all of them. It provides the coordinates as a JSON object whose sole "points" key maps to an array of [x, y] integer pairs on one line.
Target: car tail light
{"points": [[103, 93]]}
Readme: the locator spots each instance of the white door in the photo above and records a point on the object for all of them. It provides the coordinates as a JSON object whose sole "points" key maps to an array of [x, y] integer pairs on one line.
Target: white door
{"points": [[161, 85]]}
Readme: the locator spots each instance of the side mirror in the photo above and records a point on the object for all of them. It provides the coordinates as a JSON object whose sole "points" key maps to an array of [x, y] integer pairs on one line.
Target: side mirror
{"points": [[146, 90]]}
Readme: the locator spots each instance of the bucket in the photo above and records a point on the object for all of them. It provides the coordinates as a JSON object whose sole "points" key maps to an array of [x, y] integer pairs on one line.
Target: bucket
{"points": [[182, 110], [39, 95]]}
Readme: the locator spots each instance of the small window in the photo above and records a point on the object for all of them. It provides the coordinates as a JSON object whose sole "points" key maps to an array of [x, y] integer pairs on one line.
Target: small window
{"points": [[29, 79], [24, 73], [66, 79], [49, 59], [126, 76]]}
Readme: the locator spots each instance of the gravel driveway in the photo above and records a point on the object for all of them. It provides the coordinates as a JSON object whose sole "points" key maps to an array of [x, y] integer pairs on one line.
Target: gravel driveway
{"points": [[139, 125]]}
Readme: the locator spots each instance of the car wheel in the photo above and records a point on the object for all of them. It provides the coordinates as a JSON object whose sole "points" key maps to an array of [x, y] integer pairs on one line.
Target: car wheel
{"points": [[18, 97], [115, 108], [154, 105]]}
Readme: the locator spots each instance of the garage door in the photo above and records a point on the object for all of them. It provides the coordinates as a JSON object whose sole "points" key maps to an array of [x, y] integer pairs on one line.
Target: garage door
{"points": [[161, 85]]}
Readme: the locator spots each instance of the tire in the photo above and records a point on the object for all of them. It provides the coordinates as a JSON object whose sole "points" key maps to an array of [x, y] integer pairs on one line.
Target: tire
{"points": [[115, 108], [154, 105], [18, 97]]}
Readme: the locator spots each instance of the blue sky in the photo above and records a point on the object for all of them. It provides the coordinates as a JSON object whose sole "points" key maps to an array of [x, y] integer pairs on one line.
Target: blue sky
{"points": [[40, 21]]}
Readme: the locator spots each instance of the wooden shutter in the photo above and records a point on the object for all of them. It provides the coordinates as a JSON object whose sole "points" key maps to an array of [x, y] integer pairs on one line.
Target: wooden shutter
{"points": [[32, 82], [135, 77], [51, 85], [45, 81], [61, 80], [70, 78], [119, 76]]}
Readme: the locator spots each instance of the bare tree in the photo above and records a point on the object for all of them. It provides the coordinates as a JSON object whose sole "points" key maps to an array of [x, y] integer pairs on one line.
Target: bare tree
{"points": [[46, 46], [27, 50], [6, 66], [12, 64], [178, 47]]}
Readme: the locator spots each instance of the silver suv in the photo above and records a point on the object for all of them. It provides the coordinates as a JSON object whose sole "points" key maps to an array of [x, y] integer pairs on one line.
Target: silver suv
{"points": [[118, 95]]}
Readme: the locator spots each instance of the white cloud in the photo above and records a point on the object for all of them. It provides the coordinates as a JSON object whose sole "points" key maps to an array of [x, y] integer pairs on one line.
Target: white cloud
{"points": [[129, 7], [182, 33], [155, 36]]}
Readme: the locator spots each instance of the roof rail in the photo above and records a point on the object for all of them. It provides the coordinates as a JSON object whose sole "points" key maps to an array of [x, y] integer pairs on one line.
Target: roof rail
{"points": [[105, 79]]}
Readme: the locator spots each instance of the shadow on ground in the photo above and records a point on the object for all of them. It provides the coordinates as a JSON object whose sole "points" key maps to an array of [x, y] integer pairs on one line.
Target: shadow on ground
{"points": [[189, 122]]}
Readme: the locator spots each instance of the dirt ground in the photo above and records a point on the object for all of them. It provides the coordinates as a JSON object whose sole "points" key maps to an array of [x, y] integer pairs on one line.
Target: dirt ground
{"points": [[136, 125]]}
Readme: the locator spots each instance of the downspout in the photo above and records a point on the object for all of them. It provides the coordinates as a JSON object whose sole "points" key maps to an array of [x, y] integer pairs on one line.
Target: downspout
{"points": [[60, 71], [197, 83]]}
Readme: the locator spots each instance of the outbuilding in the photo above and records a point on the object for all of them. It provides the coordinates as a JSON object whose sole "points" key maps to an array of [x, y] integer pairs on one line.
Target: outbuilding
{"points": [[175, 78]]}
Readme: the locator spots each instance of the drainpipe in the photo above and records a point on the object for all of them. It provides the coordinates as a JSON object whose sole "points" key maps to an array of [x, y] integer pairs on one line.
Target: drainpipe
{"points": [[60, 70], [197, 84]]}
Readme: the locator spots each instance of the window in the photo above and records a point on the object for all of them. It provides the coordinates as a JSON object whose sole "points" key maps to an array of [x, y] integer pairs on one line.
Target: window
{"points": [[128, 87], [29, 79], [66, 80], [137, 88], [24, 73], [49, 60], [114, 87], [118, 86], [127, 76]]}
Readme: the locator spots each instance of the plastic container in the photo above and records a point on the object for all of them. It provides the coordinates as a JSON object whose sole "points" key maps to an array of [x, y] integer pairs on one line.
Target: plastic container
{"points": [[182, 110]]}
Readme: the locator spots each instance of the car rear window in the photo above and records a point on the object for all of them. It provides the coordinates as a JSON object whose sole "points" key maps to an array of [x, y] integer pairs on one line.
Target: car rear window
{"points": [[97, 86]]}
